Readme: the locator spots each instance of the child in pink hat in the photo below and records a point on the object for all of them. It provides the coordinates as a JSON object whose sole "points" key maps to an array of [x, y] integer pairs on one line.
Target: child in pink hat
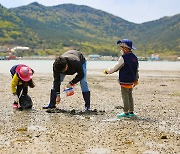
{"points": [[21, 79]]}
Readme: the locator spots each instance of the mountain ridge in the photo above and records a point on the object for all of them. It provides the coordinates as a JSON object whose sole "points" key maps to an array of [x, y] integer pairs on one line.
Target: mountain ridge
{"points": [[95, 31]]}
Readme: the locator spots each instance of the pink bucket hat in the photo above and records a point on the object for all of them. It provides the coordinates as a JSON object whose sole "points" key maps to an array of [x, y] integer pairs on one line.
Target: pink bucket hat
{"points": [[24, 72]]}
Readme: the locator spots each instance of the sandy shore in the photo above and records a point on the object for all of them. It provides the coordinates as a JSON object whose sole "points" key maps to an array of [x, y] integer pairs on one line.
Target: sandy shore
{"points": [[155, 129]]}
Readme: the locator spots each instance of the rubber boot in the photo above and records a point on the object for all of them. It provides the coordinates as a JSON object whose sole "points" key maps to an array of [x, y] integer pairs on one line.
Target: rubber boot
{"points": [[52, 103], [86, 96]]}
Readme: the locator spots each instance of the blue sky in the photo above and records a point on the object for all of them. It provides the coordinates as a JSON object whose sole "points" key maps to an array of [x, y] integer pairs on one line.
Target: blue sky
{"points": [[137, 11]]}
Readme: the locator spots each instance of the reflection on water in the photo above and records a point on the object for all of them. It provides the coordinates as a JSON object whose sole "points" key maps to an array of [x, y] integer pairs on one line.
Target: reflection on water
{"points": [[111, 120], [150, 152], [45, 66], [36, 128], [98, 151]]}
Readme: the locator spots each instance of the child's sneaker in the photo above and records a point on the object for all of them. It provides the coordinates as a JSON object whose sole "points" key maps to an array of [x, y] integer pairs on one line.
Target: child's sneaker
{"points": [[15, 105], [131, 114], [123, 115]]}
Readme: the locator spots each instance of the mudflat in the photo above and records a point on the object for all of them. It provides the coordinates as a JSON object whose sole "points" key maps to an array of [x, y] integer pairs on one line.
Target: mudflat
{"points": [[155, 129]]}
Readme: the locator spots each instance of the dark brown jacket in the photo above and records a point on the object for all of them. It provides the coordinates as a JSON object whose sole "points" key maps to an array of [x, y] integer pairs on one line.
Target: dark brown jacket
{"points": [[75, 60]]}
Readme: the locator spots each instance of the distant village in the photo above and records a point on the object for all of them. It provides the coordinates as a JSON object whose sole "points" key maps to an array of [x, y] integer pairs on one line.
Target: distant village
{"points": [[10, 53], [153, 57]]}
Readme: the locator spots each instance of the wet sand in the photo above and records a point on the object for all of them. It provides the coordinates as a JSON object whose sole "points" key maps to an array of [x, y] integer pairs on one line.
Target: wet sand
{"points": [[155, 129]]}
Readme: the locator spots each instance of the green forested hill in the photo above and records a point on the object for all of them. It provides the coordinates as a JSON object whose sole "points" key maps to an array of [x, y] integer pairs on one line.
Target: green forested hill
{"points": [[90, 30], [161, 35], [83, 27], [12, 29]]}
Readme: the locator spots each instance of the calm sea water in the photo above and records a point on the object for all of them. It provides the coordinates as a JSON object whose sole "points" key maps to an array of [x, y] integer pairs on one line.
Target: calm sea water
{"points": [[45, 66]]}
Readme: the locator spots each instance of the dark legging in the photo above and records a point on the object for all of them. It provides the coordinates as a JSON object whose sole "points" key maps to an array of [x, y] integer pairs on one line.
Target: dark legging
{"points": [[127, 99], [23, 89]]}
